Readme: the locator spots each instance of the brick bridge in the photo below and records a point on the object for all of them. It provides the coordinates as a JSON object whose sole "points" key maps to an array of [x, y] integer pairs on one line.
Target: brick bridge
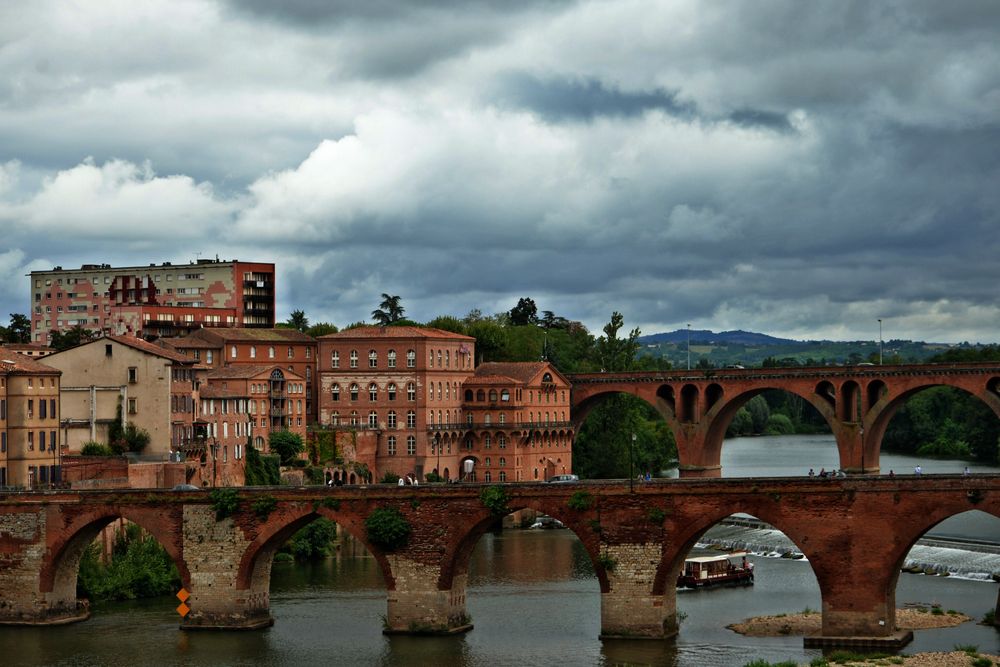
{"points": [[857, 402], [855, 531]]}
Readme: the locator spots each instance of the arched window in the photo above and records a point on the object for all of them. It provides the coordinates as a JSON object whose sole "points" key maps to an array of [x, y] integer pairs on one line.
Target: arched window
{"points": [[411, 358], [391, 419], [232, 354], [487, 477], [411, 391], [480, 395], [487, 441], [502, 441], [411, 445], [392, 358], [547, 377], [354, 391], [391, 445], [430, 418], [468, 419], [439, 357], [439, 391], [372, 359], [447, 358], [487, 419], [373, 419], [468, 395], [430, 358], [503, 476], [391, 390], [373, 392], [270, 352], [354, 358], [493, 395], [335, 392], [253, 351], [335, 359], [503, 462]]}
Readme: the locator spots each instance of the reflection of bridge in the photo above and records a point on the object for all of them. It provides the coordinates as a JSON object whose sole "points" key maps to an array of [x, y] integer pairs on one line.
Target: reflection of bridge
{"points": [[857, 402], [855, 531]]}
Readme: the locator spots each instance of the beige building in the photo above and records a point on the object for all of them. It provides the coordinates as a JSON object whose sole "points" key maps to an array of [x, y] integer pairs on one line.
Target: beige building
{"points": [[29, 422], [156, 389]]}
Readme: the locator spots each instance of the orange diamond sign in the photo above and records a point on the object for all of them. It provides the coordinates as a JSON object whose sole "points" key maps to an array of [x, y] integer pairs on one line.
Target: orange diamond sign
{"points": [[183, 595], [183, 609]]}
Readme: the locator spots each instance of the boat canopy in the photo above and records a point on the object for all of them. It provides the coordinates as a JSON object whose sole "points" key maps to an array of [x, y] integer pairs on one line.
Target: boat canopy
{"points": [[713, 559]]}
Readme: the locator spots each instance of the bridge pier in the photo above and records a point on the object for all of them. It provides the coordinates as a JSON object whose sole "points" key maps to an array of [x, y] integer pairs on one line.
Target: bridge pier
{"points": [[629, 609], [694, 471], [416, 606], [214, 551]]}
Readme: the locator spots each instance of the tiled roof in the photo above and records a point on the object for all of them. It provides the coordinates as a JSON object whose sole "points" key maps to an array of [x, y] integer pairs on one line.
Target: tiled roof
{"points": [[216, 391], [12, 362], [394, 333], [229, 334], [188, 342], [149, 348], [247, 371], [487, 380], [522, 371]]}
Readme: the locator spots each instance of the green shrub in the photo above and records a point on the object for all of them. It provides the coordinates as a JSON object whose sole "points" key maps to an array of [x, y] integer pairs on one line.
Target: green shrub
{"points": [[315, 475], [388, 528], [225, 502], [314, 541], [263, 506], [656, 515], [607, 562], [390, 478], [261, 470], [92, 448], [580, 501], [496, 500], [139, 568], [433, 478]]}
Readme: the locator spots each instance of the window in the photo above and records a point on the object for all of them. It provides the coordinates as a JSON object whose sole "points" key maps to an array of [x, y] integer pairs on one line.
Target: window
{"points": [[335, 419], [270, 352], [487, 442], [503, 418], [447, 358], [503, 476], [487, 476], [31, 441], [31, 408], [493, 395], [373, 419], [392, 358], [391, 445], [42, 412], [335, 392], [487, 419], [132, 406], [354, 392], [373, 392], [391, 390], [468, 395], [430, 358], [502, 442], [354, 417], [335, 359], [481, 396], [411, 359], [354, 358], [372, 359], [391, 420], [133, 375], [504, 395], [253, 351], [411, 419], [232, 351], [503, 462], [291, 352], [411, 391], [411, 445]]}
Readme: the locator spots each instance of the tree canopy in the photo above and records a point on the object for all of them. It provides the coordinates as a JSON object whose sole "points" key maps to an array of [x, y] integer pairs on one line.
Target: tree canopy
{"points": [[389, 311]]}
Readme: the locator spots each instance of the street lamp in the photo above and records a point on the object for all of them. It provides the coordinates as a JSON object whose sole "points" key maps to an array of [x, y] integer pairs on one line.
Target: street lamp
{"points": [[215, 458], [437, 446], [631, 472], [689, 352], [880, 341]]}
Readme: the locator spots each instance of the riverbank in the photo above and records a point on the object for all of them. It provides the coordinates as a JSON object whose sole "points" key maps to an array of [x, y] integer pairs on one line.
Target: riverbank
{"points": [[949, 659]]}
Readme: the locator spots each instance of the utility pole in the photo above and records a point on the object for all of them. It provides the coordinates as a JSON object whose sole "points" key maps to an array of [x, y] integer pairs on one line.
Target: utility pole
{"points": [[880, 341], [689, 346]]}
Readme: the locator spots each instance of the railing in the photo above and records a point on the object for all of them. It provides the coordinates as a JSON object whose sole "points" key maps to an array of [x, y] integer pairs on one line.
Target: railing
{"points": [[476, 426]]}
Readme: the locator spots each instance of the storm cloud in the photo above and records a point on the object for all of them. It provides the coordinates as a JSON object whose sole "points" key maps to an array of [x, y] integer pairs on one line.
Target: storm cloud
{"points": [[797, 169]]}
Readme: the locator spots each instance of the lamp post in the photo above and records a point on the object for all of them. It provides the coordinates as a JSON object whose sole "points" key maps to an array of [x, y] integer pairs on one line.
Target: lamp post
{"points": [[880, 341], [689, 347], [631, 472], [437, 447], [215, 458]]}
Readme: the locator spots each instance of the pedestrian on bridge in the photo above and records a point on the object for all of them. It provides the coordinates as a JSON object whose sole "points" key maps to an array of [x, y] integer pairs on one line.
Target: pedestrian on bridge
{"points": [[918, 471]]}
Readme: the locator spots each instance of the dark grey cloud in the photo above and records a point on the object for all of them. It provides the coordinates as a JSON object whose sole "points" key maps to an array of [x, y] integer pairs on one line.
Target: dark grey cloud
{"points": [[313, 13]]}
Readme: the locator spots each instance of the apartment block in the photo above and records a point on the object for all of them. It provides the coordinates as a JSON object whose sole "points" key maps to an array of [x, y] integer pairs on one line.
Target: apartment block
{"points": [[154, 300]]}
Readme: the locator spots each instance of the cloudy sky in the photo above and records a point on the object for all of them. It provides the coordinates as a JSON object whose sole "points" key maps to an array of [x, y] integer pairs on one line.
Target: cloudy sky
{"points": [[799, 169]]}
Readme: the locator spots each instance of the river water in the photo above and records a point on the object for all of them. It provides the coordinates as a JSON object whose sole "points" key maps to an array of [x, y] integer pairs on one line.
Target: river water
{"points": [[534, 600]]}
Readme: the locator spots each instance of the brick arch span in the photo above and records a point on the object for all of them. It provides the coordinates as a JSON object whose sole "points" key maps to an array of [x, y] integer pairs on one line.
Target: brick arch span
{"points": [[686, 531], [723, 411], [254, 571], [884, 406], [457, 556], [648, 393], [61, 567]]}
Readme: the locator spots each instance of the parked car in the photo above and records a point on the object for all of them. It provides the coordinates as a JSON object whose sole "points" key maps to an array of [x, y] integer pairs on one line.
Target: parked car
{"points": [[546, 523], [186, 487], [564, 478]]}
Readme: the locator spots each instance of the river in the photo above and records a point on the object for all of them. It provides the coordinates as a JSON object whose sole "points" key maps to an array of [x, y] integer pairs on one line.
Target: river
{"points": [[533, 598]]}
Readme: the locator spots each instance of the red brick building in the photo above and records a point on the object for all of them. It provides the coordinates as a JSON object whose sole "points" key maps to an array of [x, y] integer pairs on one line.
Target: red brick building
{"points": [[30, 455], [290, 350], [154, 300], [253, 400], [408, 400]]}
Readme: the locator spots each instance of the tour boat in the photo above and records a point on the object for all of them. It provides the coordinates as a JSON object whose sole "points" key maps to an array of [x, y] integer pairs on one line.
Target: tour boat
{"points": [[727, 570]]}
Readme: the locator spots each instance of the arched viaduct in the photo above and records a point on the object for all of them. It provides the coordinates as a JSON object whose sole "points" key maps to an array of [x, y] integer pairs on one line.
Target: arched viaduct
{"points": [[857, 402], [855, 531]]}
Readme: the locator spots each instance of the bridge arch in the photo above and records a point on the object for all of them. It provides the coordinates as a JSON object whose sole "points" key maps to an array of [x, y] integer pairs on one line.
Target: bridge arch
{"points": [[60, 569]]}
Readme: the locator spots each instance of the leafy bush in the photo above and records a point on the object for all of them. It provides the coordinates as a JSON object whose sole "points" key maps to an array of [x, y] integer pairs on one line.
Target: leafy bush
{"points": [[263, 506], [225, 502], [92, 448], [778, 424], [390, 478], [315, 475], [496, 500], [261, 470], [388, 528], [580, 501], [313, 542], [607, 562], [286, 445], [139, 568], [656, 515], [433, 478]]}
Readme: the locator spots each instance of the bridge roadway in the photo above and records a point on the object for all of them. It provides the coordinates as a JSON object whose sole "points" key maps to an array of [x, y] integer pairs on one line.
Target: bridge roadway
{"points": [[856, 401], [855, 531]]}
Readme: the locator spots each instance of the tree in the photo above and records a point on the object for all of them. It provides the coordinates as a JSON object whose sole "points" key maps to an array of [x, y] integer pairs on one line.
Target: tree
{"points": [[614, 353], [321, 329], [76, 335], [524, 313], [298, 320], [448, 323], [19, 330], [389, 311], [286, 445]]}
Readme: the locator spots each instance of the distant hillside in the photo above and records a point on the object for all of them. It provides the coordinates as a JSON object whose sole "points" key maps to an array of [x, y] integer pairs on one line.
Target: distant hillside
{"points": [[749, 349]]}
